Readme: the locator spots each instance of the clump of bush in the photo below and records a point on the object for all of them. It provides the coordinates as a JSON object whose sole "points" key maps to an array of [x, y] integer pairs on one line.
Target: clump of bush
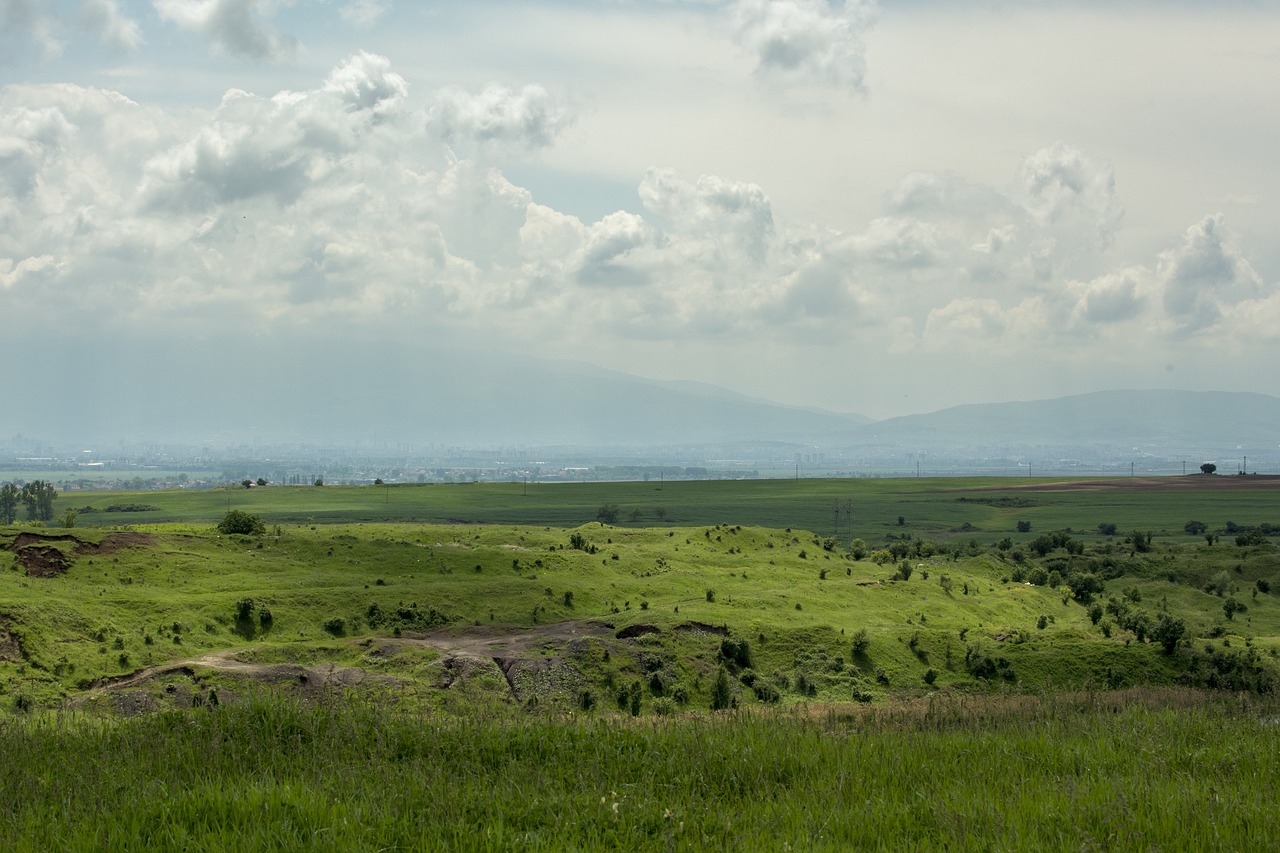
{"points": [[238, 522]]}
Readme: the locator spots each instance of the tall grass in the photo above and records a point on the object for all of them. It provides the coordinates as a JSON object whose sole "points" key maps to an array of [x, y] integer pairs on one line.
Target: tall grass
{"points": [[1146, 769]]}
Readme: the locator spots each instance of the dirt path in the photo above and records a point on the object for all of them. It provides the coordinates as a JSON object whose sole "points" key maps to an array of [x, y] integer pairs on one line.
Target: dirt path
{"points": [[461, 648]]}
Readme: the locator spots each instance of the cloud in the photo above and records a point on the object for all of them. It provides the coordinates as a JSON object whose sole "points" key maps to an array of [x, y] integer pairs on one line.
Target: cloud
{"points": [[276, 147], [366, 82], [234, 26], [343, 209], [1206, 276], [1112, 298], [730, 222], [112, 27], [23, 21], [808, 41], [527, 118], [1061, 187]]}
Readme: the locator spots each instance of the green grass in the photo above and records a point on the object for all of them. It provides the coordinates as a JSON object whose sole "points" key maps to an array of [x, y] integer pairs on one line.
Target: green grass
{"points": [[968, 731], [1149, 770], [173, 596], [930, 508]]}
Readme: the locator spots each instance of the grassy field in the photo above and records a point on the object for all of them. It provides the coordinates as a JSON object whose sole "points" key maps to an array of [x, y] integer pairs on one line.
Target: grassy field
{"points": [[182, 611], [932, 508], [1145, 770], [369, 672]]}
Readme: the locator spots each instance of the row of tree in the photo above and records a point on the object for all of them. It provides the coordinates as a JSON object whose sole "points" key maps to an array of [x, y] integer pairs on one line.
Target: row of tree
{"points": [[36, 496]]}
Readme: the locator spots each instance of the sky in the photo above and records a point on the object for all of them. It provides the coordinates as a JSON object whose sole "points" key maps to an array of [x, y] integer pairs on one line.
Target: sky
{"points": [[877, 208]]}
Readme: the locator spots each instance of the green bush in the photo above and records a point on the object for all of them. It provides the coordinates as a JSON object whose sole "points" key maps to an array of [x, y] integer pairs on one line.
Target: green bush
{"points": [[241, 523]]}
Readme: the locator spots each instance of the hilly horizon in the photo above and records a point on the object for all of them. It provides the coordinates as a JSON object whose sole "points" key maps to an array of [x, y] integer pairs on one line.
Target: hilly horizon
{"points": [[476, 399]]}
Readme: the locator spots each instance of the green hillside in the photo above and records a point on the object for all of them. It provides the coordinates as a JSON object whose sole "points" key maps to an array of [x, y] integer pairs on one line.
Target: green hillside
{"points": [[641, 616]]}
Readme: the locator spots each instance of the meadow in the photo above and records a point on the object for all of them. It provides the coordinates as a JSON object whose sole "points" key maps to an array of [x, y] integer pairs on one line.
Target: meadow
{"points": [[963, 663], [1145, 769]]}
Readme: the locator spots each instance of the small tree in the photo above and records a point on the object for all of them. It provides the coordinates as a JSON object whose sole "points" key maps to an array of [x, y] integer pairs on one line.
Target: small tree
{"points": [[1208, 468], [720, 695], [861, 642], [1168, 632], [1195, 528], [608, 513], [1024, 527]]}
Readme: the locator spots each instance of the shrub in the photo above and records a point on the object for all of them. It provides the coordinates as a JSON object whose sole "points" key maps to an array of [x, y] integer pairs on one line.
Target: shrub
{"points": [[930, 676], [1263, 585], [1251, 537], [904, 570], [1168, 632], [735, 653], [711, 595], [1195, 528], [1024, 527], [241, 523], [765, 691], [337, 626], [1107, 529], [861, 642]]}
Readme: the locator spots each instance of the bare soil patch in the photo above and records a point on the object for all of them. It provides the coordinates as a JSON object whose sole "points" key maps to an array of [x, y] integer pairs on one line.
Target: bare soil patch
{"points": [[41, 556]]}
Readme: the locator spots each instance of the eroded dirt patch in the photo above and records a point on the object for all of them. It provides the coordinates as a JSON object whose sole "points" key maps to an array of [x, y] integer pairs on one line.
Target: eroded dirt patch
{"points": [[38, 554], [42, 561], [10, 646]]}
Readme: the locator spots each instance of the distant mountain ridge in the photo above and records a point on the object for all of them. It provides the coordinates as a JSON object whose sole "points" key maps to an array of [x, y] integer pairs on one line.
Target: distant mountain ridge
{"points": [[1161, 421], [446, 396]]}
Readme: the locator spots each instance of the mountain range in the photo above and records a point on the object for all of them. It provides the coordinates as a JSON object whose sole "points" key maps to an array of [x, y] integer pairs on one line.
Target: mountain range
{"points": [[473, 399]]}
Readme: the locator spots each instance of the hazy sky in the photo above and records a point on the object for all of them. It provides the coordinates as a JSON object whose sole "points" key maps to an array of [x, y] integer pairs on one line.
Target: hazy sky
{"points": [[885, 208]]}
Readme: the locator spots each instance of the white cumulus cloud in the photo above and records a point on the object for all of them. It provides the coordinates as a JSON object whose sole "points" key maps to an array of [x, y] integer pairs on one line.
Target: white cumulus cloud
{"points": [[805, 40], [529, 117], [235, 26]]}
